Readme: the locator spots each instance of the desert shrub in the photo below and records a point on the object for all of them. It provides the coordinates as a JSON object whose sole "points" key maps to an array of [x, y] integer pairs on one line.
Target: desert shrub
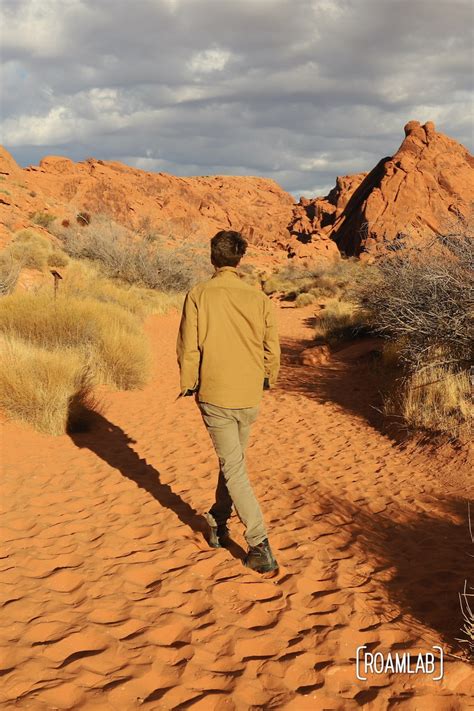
{"points": [[271, 285], [9, 272], [423, 294], [147, 231], [43, 219], [437, 399], [30, 249], [341, 278], [422, 301], [344, 278], [109, 338], [290, 281], [340, 320], [132, 258], [293, 272], [391, 353], [84, 279], [325, 287], [37, 385], [57, 258], [304, 299]]}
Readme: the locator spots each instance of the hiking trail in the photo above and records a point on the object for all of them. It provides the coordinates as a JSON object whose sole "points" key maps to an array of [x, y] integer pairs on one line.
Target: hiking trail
{"points": [[112, 600]]}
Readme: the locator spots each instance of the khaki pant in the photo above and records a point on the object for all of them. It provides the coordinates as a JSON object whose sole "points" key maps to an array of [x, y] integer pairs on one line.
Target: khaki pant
{"points": [[229, 429]]}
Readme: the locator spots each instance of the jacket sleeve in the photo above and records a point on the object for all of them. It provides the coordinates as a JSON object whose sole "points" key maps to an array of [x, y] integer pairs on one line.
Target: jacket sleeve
{"points": [[271, 343], [187, 348]]}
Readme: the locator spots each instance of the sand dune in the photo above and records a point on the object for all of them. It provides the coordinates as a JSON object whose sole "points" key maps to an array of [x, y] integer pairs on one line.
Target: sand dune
{"points": [[112, 600]]}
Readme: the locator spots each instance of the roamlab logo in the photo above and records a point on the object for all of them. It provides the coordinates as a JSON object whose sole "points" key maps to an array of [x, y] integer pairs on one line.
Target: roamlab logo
{"points": [[427, 663]]}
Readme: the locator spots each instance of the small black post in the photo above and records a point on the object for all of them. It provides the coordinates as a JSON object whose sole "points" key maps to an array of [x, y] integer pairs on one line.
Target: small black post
{"points": [[57, 276]]}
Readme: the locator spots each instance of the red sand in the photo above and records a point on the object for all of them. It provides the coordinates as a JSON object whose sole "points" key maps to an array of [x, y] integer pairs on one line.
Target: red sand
{"points": [[112, 600]]}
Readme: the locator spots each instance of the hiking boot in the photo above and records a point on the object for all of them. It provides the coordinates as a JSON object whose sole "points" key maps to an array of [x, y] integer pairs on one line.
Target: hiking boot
{"points": [[218, 536], [260, 558]]}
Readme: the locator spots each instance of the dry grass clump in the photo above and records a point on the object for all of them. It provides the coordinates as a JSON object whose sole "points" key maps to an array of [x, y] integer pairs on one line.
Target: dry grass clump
{"points": [[335, 287], [85, 280], [29, 249], [9, 273], [391, 353], [44, 219], [340, 320], [435, 399], [103, 332], [37, 385], [32, 250], [57, 258], [304, 299], [341, 278], [133, 257], [289, 281], [93, 330]]}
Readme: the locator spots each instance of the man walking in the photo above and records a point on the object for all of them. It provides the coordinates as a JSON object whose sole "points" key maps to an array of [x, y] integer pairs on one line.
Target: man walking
{"points": [[228, 352]]}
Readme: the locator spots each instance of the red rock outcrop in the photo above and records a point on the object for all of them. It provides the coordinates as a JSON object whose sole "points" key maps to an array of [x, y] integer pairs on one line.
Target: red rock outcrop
{"points": [[178, 208], [428, 181], [312, 222]]}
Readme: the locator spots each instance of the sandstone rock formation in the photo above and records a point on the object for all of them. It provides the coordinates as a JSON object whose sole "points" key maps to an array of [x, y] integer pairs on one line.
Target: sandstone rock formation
{"points": [[177, 208], [428, 181], [312, 221]]}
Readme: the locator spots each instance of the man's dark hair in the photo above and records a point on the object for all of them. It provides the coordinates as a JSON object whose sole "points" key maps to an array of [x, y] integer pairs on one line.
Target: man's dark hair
{"points": [[227, 248]]}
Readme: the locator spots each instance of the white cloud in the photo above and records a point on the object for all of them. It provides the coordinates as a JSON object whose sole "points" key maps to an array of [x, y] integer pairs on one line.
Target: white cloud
{"points": [[58, 126], [209, 60]]}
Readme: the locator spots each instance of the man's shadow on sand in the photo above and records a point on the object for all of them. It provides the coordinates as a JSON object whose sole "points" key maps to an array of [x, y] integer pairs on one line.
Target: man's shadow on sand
{"points": [[110, 443]]}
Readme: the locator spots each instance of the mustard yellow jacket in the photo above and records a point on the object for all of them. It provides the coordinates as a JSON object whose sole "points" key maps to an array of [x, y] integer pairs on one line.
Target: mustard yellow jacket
{"points": [[227, 341]]}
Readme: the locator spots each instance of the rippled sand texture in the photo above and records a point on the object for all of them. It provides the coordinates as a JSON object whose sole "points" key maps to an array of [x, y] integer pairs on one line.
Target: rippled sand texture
{"points": [[112, 600]]}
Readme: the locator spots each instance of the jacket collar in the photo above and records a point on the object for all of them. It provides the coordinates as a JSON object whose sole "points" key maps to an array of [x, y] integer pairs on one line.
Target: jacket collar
{"points": [[223, 270]]}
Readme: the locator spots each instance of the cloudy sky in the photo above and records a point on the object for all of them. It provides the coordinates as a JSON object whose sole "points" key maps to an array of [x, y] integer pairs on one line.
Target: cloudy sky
{"points": [[297, 90]]}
